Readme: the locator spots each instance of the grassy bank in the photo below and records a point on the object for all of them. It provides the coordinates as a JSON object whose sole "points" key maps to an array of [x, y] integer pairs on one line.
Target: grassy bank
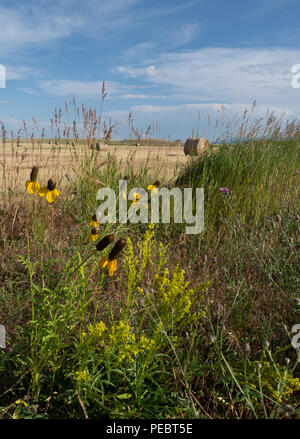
{"points": [[187, 326]]}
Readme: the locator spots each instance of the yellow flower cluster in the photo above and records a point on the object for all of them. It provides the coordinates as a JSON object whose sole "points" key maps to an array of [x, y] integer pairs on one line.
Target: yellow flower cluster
{"points": [[124, 343], [175, 297], [276, 382], [146, 344], [136, 265], [119, 340], [175, 291], [151, 188], [170, 292], [97, 330], [94, 338], [82, 376], [137, 197], [271, 378]]}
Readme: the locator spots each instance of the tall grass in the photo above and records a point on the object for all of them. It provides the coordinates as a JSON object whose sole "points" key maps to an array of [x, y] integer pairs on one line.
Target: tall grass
{"points": [[188, 326]]}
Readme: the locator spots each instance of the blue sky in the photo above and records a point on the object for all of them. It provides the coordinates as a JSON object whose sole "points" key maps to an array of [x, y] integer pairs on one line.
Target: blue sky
{"points": [[162, 60]]}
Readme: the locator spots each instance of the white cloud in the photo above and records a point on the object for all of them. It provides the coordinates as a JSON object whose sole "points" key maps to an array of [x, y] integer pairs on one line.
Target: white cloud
{"points": [[188, 32], [181, 36], [167, 40], [226, 75], [20, 72], [267, 7], [160, 12], [18, 29], [140, 96], [41, 22], [139, 50], [28, 90], [213, 108], [65, 87], [91, 89]]}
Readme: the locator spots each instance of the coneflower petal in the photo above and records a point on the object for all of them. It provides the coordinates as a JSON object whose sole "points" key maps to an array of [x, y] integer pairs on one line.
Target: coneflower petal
{"points": [[50, 196], [43, 191], [112, 266], [103, 262]]}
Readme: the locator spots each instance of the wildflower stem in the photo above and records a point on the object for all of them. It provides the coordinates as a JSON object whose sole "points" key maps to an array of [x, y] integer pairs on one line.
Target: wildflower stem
{"points": [[32, 336], [245, 394], [261, 393], [42, 251], [96, 309], [75, 269], [29, 260]]}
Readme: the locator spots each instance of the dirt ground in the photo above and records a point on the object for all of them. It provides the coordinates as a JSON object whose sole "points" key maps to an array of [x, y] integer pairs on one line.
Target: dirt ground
{"points": [[61, 162]]}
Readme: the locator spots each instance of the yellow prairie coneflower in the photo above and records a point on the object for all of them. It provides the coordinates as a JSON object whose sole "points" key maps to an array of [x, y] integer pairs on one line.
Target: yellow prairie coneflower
{"points": [[153, 187], [111, 261], [136, 199], [93, 221], [49, 191], [94, 233], [32, 185]]}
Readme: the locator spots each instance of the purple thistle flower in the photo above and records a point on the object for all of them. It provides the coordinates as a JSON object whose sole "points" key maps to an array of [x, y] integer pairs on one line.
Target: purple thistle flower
{"points": [[297, 171], [224, 190]]}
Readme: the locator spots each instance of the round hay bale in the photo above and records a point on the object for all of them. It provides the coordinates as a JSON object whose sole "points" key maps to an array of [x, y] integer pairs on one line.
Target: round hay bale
{"points": [[196, 146]]}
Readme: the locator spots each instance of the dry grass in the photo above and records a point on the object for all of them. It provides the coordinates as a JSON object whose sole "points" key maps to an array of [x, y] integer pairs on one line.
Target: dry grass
{"points": [[249, 251], [64, 161]]}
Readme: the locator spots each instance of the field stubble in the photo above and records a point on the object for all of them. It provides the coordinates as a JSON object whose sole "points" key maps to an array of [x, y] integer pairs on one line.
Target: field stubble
{"points": [[64, 161]]}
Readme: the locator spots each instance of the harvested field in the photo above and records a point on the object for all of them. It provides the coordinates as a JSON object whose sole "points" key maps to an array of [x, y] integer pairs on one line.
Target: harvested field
{"points": [[63, 161]]}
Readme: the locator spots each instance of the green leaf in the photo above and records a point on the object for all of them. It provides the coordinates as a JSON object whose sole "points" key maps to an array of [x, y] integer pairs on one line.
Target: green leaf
{"points": [[124, 396]]}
